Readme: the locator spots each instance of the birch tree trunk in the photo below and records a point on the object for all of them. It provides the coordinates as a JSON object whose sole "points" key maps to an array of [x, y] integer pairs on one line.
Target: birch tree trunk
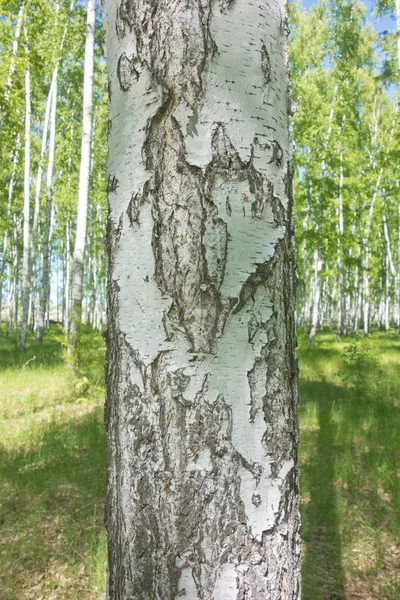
{"points": [[14, 52], [201, 374], [25, 259], [67, 271], [316, 293], [7, 233], [398, 33], [44, 288], [83, 193]]}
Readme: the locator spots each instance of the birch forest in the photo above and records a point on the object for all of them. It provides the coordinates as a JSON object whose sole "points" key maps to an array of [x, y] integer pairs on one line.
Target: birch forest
{"points": [[345, 127], [344, 69], [344, 80]]}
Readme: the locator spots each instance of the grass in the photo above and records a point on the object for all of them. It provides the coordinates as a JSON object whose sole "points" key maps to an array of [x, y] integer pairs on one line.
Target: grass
{"points": [[349, 456], [53, 463], [52, 473]]}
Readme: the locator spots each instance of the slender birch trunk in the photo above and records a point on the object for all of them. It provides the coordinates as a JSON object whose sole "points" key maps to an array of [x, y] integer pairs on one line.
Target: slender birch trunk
{"points": [[387, 295], [398, 33], [316, 293], [25, 261], [40, 168], [6, 233], [398, 263], [366, 249], [67, 268], [80, 239], [44, 288], [201, 376], [14, 52], [341, 326], [14, 299]]}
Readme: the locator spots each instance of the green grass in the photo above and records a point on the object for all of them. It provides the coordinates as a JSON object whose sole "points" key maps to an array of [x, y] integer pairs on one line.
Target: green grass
{"points": [[52, 474], [349, 456], [53, 464]]}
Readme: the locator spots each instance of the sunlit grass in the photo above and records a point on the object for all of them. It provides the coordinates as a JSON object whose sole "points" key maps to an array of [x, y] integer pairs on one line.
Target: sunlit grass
{"points": [[53, 457], [52, 472]]}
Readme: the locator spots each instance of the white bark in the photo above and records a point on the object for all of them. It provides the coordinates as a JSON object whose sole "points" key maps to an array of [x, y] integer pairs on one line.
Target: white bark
{"points": [[369, 220], [14, 52], [44, 289], [341, 287], [67, 271], [25, 261], [201, 381], [366, 293], [316, 292], [387, 295], [398, 33], [80, 239], [6, 233]]}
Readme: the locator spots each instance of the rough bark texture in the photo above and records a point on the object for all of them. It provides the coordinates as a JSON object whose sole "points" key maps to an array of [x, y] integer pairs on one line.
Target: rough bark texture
{"points": [[201, 375]]}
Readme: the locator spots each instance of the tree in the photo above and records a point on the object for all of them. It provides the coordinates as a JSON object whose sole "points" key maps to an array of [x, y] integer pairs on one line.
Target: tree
{"points": [[201, 375], [80, 239]]}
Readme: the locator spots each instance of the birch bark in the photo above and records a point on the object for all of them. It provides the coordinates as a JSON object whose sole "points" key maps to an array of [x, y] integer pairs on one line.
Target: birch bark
{"points": [[398, 33], [201, 375], [25, 259], [316, 284], [83, 193], [6, 233], [14, 52], [44, 288]]}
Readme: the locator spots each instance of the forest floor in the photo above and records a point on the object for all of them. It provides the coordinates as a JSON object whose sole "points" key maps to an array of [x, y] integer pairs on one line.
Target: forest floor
{"points": [[53, 461], [349, 460]]}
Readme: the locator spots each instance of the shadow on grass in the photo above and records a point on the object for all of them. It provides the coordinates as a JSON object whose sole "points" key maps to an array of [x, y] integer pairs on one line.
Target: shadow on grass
{"points": [[323, 575], [349, 456]]}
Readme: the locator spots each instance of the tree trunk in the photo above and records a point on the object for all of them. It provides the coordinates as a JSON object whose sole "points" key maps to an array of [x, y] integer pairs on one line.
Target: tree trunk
{"points": [[316, 292], [83, 193], [44, 288], [14, 52], [25, 259], [201, 375], [6, 233], [67, 269], [398, 33]]}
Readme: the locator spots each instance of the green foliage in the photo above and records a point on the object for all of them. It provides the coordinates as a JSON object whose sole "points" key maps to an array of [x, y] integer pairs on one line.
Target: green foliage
{"points": [[88, 358], [346, 147], [92, 352], [361, 366]]}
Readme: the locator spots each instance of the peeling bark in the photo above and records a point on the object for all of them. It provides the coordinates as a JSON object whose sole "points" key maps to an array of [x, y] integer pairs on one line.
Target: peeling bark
{"points": [[201, 375]]}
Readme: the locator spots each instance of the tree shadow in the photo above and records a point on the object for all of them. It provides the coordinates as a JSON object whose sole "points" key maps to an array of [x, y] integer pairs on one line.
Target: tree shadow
{"points": [[323, 574]]}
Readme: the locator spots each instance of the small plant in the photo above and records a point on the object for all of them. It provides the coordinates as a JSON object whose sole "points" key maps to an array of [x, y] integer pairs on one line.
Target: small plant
{"points": [[362, 368], [88, 358]]}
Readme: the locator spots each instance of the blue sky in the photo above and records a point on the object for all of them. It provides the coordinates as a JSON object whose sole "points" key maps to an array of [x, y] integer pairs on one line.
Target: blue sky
{"points": [[383, 24]]}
